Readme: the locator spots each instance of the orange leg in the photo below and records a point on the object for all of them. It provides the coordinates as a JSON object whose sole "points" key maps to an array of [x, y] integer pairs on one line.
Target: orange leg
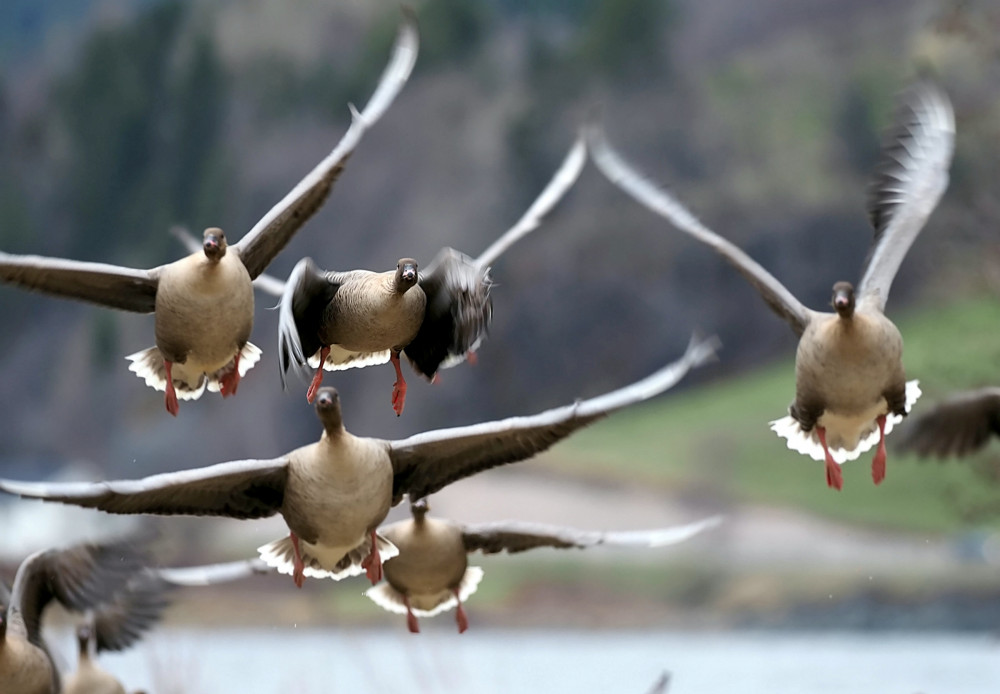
{"points": [[411, 620], [471, 357], [878, 462], [231, 381], [372, 564], [833, 476], [461, 618], [171, 399], [399, 387], [298, 570], [324, 352]]}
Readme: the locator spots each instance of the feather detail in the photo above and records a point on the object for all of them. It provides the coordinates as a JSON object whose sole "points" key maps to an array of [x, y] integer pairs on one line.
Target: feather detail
{"points": [[323, 562]]}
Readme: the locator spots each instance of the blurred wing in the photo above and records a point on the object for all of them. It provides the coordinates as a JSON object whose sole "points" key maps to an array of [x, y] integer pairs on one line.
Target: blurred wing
{"points": [[623, 175], [134, 610], [425, 463], [564, 179], [909, 179], [108, 285], [264, 282], [276, 228], [238, 489], [513, 536], [211, 574], [959, 426], [457, 316], [80, 578], [304, 299]]}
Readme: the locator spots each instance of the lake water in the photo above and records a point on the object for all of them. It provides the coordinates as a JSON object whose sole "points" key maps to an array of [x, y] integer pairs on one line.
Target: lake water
{"points": [[310, 661]]}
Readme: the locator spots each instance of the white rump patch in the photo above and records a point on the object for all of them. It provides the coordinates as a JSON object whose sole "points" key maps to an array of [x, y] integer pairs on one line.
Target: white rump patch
{"points": [[249, 356], [391, 600], [148, 365], [340, 359], [323, 562], [809, 443]]}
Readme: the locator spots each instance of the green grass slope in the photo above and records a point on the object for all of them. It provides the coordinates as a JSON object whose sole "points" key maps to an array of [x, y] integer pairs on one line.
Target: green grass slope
{"points": [[715, 442]]}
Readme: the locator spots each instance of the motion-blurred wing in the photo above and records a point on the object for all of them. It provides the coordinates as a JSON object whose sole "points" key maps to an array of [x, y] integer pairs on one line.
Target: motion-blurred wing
{"points": [[959, 426], [133, 611], [238, 489], [560, 184], [108, 285], [80, 577], [626, 177], [276, 228], [426, 462], [211, 574], [909, 179], [301, 311], [512, 536]]}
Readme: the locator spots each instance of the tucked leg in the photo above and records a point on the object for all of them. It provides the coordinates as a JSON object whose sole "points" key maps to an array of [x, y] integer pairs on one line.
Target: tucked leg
{"points": [[372, 564], [399, 387], [411, 619], [460, 617], [231, 381], [834, 478], [298, 569], [324, 352], [171, 398], [878, 462]]}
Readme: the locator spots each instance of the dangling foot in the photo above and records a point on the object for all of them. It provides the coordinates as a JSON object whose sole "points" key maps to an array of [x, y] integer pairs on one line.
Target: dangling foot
{"points": [[324, 352], [171, 399], [298, 568], [372, 564], [231, 381], [471, 357], [878, 462], [399, 387], [460, 617], [834, 478], [411, 620]]}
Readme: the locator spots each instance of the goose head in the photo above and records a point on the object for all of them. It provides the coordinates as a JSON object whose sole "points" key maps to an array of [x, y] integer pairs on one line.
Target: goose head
{"points": [[406, 274], [843, 299], [328, 410], [214, 244]]}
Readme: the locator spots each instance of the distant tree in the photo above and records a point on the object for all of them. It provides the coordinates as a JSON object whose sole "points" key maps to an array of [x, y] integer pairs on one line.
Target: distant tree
{"points": [[450, 30], [628, 37]]}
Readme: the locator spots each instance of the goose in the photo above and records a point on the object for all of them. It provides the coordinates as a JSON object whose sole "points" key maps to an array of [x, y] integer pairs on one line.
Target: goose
{"points": [[203, 303], [850, 386], [79, 578], [959, 426], [340, 320], [89, 677], [335, 492], [431, 573]]}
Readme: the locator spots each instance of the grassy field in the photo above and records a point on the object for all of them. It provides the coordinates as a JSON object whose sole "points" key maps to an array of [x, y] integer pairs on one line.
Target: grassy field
{"points": [[714, 441]]}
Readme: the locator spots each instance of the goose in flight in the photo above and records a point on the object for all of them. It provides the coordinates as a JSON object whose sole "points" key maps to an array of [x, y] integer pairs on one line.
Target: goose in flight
{"points": [[203, 303], [339, 320], [850, 387], [79, 578], [431, 573], [334, 493]]}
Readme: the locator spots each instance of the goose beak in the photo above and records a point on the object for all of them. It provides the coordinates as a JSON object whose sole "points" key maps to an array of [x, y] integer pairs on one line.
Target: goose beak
{"points": [[409, 273], [211, 244], [841, 300]]}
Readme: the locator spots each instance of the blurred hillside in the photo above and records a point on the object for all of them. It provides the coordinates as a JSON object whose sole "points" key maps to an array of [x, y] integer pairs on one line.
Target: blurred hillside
{"points": [[119, 119]]}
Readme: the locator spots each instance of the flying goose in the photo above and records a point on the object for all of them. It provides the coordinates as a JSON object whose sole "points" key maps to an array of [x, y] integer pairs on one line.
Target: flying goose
{"points": [[850, 385], [334, 493], [431, 573], [79, 578], [203, 303], [339, 320], [961, 425]]}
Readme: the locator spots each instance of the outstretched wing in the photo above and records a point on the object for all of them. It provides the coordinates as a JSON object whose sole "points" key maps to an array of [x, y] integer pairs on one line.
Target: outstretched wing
{"points": [[513, 536], [426, 462], [304, 299], [959, 426], [124, 288], [563, 180], [211, 574], [626, 177], [80, 578], [238, 489], [910, 178], [134, 610], [276, 228], [457, 315]]}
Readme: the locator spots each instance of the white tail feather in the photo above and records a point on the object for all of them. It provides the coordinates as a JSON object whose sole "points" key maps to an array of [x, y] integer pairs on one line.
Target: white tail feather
{"points": [[148, 365], [808, 443], [391, 600], [340, 359], [323, 562], [249, 355]]}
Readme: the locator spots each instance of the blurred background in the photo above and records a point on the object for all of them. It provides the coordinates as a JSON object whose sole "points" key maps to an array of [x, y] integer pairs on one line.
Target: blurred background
{"points": [[120, 118]]}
